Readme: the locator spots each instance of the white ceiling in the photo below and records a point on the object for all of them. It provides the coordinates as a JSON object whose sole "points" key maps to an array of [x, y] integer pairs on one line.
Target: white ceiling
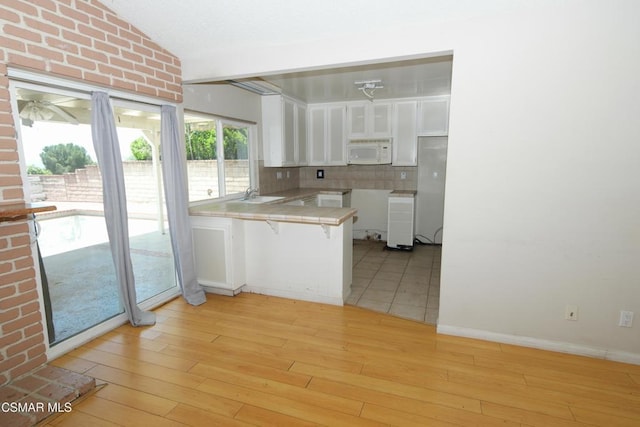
{"points": [[229, 29]]}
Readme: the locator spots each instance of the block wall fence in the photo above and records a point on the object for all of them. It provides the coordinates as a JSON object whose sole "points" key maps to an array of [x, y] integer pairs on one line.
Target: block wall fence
{"points": [[81, 40]]}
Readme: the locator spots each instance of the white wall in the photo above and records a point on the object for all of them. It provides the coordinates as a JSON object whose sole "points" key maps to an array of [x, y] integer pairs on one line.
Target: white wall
{"points": [[543, 177], [223, 100], [543, 184]]}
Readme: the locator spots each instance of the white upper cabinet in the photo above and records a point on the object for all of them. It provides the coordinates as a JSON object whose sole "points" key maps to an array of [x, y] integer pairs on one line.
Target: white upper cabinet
{"points": [[283, 131], [301, 135], [433, 116], [327, 144], [369, 120], [405, 139]]}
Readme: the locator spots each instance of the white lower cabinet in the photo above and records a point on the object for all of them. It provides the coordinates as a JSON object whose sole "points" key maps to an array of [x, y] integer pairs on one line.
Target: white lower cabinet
{"points": [[218, 247], [334, 200], [400, 227]]}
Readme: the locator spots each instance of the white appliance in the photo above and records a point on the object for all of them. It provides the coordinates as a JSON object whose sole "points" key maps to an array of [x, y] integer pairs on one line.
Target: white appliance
{"points": [[432, 161], [400, 227], [369, 151]]}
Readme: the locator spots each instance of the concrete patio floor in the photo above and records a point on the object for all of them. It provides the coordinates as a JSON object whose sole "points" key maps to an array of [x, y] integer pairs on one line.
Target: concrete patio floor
{"points": [[82, 284]]}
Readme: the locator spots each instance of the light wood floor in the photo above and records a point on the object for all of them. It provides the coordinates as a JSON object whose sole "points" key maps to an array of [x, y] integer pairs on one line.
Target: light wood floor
{"points": [[257, 360]]}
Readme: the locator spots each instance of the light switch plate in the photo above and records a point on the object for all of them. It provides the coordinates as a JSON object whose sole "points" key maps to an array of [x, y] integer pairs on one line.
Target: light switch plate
{"points": [[626, 319]]}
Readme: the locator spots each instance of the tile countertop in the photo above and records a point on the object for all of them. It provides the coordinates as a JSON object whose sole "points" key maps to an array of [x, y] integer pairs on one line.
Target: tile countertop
{"points": [[278, 210], [299, 193]]}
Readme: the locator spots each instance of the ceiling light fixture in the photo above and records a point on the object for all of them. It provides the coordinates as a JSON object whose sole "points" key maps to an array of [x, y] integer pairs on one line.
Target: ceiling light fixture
{"points": [[368, 87]]}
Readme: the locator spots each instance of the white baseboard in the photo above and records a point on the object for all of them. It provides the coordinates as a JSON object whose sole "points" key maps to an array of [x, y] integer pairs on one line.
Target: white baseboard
{"points": [[561, 347], [293, 295]]}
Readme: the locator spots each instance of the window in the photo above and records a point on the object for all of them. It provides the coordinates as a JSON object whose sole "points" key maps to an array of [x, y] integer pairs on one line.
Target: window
{"points": [[217, 170]]}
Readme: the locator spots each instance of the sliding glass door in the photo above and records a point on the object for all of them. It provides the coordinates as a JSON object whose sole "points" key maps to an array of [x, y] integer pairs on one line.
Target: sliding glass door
{"points": [[61, 169], [138, 130]]}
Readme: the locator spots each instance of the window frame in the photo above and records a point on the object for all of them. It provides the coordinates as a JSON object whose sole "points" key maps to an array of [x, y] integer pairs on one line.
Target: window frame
{"points": [[251, 153]]}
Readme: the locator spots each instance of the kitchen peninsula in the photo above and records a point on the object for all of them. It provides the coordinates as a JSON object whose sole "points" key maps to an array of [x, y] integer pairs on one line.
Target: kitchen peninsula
{"points": [[275, 245]]}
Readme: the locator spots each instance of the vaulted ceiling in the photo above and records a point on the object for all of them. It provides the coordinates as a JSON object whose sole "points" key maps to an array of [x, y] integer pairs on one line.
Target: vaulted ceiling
{"points": [[227, 30]]}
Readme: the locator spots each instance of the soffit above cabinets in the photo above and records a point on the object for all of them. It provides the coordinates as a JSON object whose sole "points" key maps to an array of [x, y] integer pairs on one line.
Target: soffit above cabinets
{"points": [[401, 79]]}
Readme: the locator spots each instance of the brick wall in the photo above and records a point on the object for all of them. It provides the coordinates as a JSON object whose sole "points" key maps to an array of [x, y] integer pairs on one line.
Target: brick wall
{"points": [[81, 40]]}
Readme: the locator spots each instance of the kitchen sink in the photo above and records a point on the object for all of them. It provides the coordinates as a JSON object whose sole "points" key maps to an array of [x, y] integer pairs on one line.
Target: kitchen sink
{"points": [[259, 199]]}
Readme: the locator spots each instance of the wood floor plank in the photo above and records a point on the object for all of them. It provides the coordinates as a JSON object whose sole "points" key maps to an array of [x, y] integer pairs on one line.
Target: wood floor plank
{"points": [[283, 405], [592, 417], [193, 416], [79, 419], [131, 365], [589, 397], [289, 391], [229, 348], [246, 333], [510, 394], [137, 340], [121, 414], [597, 378], [219, 356], [389, 386], [436, 358], [266, 374], [137, 399], [411, 373], [158, 387], [486, 375], [525, 417], [406, 405], [264, 417], [258, 360], [133, 351], [319, 357], [185, 332], [397, 418]]}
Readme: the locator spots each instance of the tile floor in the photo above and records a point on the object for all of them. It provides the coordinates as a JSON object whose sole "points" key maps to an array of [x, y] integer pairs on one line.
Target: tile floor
{"points": [[405, 284]]}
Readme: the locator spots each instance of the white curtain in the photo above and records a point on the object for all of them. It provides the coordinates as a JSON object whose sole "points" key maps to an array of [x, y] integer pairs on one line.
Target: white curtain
{"points": [[105, 143], [174, 175]]}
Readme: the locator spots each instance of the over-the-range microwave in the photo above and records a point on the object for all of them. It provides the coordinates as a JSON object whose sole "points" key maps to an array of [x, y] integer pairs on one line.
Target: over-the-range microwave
{"points": [[369, 151]]}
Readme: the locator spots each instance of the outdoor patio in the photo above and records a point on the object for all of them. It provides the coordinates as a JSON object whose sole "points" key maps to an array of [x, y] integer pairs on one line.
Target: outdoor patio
{"points": [[81, 276]]}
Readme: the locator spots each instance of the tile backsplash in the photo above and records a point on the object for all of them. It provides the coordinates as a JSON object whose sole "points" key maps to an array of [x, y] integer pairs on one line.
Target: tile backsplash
{"points": [[370, 177], [272, 180]]}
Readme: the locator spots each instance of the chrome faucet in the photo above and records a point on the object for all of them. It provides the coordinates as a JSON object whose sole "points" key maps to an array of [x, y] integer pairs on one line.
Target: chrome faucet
{"points": [[250, 193]]}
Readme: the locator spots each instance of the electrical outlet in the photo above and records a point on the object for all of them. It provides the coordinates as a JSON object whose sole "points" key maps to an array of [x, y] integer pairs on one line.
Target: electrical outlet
{"points": [[279, 175], [626, 319], [571, 312], [403, 175]]}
